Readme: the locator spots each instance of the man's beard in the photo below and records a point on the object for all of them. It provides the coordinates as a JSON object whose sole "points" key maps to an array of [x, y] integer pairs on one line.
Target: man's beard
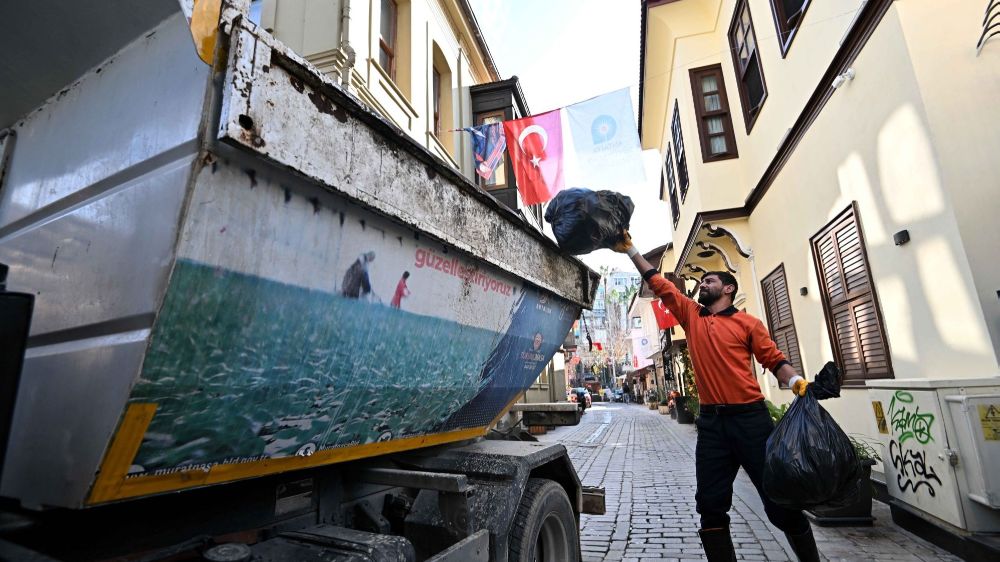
{"points": [[707, 298]]}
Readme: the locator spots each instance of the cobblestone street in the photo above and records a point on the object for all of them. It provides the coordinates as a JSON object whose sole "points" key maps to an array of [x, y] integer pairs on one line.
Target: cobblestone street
{"points": [[645, 461]]}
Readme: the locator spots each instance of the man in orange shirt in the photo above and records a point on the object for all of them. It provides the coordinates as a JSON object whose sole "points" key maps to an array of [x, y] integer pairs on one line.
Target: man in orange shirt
{"points": [[734, 424]]}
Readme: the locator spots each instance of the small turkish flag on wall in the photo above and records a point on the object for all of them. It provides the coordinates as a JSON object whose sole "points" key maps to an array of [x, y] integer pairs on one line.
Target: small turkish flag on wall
{"points": [[536, 152], [664, 319]]}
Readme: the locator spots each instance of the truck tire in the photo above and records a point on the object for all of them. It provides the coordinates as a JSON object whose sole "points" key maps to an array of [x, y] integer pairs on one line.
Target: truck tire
{"points": [[544, 528]]}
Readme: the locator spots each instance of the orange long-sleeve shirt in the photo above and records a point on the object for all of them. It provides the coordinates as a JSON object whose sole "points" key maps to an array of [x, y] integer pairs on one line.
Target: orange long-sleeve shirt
{"points": [[720, 346]]}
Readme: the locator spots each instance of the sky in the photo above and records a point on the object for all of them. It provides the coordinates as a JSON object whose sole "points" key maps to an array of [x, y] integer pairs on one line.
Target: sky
{"points": [[567, 51]]}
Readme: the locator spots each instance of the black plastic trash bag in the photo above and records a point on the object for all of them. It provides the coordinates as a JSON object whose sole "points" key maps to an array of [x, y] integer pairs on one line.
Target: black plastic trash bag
{"points": [[585, 220], [810, 461]]}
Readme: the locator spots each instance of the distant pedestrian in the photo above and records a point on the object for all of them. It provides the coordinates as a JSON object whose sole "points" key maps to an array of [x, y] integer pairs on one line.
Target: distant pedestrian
{"points": [[626, 392], [734, 424], [402, 290], [356, 281]]}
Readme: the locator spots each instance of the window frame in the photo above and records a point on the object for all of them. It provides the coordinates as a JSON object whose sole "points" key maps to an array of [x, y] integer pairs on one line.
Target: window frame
{"points": [[436, 102], [849, 300], [786, 35], [740, 72], [671, 184], [389, 48], [703, 115], [680, 154]]}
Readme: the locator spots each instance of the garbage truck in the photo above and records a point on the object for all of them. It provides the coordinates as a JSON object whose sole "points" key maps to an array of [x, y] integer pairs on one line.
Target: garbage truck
{"points": [[244, 317]]}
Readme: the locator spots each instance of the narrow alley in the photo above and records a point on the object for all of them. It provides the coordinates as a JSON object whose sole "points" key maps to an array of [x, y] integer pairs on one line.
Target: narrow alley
{"points": [[645, 461]]}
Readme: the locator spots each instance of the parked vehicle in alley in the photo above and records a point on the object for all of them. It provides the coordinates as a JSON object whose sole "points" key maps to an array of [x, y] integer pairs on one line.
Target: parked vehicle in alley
{"points": [[196, 350], [581, 396]]}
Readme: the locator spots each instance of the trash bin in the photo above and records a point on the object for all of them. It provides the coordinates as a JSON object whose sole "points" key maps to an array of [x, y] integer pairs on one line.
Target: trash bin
{"points": [[684, 415]]}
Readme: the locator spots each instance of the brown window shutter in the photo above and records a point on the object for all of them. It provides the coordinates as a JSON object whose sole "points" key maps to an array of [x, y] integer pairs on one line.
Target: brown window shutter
{"points": [[849, 300], [779, 316]]}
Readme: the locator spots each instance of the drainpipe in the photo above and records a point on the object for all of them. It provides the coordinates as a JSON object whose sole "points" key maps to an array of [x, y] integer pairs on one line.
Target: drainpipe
{"points": [[345, 44]]}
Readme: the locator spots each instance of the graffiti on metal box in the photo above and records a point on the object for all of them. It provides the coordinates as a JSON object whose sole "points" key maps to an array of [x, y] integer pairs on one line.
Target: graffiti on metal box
{"points": [[912, 471], [909, 423]]}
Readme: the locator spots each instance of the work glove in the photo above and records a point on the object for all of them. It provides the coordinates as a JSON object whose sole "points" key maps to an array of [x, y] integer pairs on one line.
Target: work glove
{"points": [[798, 385], [623, 245]]}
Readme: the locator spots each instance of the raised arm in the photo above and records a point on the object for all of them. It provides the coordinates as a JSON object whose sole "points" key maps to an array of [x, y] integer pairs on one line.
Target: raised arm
{"points": [[669, 288]]}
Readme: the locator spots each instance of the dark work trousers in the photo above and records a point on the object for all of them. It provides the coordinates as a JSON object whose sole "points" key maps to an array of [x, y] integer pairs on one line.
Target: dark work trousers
{"points": [[727, 441]]}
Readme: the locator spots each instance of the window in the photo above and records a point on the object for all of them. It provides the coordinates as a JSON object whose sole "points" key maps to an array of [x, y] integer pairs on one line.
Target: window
{"points": [[711, 106], [746, 60], [668, 166], [787, 19], [849, 300], [779, 316], [387, 38], [436, 95], [682, 165], [440, 101], [499, 178]]}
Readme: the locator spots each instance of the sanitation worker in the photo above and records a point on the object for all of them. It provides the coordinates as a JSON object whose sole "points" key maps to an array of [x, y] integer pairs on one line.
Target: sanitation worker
{"points": [[734, 424]]}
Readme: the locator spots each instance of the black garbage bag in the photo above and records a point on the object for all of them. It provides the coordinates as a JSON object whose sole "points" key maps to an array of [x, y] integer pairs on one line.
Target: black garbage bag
{"points": [[810, 461], [585, 220]]}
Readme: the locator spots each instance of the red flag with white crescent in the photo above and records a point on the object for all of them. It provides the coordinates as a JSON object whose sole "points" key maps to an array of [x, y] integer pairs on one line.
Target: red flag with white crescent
{"points": [[536, 152], [664, 319]]}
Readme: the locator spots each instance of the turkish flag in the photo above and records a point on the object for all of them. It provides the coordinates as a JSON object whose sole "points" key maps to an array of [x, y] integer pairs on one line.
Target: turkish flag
{"points": [[599, 346], [536, 151], [664, 319]]}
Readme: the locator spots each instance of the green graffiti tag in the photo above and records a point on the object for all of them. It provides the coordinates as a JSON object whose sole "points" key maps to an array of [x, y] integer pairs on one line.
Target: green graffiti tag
{"points": [[909, 424]]}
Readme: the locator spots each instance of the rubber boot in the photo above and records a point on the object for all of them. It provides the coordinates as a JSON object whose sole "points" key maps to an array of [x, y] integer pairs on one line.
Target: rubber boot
{"points": [[718, 544], [804, 545]]}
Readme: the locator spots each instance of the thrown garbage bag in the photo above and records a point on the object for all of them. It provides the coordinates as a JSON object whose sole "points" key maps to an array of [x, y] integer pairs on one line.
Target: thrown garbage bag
{"points": [[810, 461], [585, 220]]}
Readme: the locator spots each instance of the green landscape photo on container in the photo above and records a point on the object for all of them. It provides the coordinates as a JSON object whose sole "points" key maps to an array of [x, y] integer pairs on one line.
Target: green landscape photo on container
{"points": [[243, 367]]}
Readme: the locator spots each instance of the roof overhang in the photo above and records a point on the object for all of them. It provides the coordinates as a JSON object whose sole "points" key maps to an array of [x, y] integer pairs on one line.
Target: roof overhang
{"points": [[662, 22], [477, 35]]}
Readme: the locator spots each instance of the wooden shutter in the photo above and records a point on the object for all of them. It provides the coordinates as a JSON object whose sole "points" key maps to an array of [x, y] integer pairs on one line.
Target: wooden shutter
{"points": [[779, 316], [849, 300]]}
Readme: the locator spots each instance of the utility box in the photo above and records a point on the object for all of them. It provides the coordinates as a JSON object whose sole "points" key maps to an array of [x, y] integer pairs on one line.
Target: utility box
{"points": [[940, 455], [977, 425]]}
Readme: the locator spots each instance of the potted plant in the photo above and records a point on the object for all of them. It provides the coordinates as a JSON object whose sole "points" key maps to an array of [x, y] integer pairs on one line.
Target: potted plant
{"points": [[776, 412], [664, 403], [858, 513], [672, 403], [683, 405], [687, 406]]}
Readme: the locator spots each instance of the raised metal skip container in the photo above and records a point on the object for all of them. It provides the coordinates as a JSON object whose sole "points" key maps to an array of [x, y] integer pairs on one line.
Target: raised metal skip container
{"points": [[239, 270]]}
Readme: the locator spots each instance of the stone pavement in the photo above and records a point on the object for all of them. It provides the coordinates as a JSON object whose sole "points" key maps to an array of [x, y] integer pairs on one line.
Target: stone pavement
{"points": [[645, 461]]}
